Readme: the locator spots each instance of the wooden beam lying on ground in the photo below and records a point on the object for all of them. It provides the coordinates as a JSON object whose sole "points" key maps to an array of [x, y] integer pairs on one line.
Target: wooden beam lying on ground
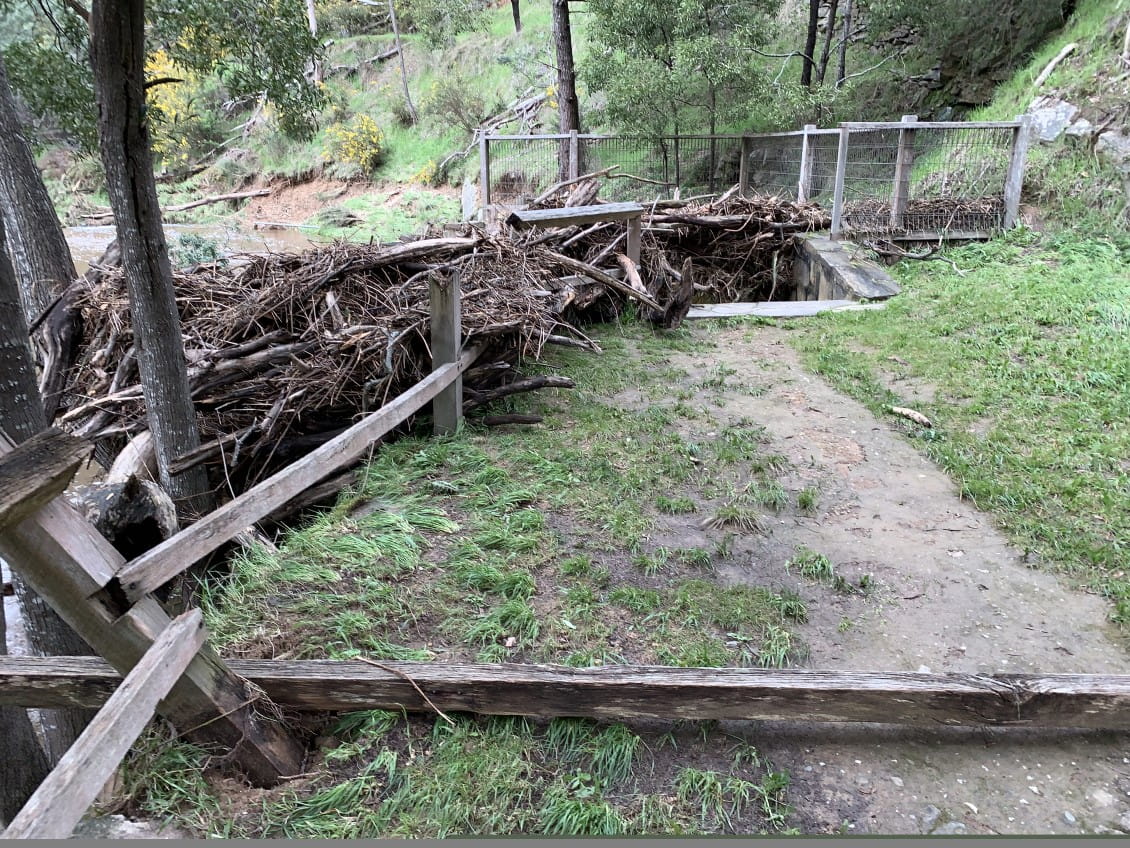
{"points": [[157, 566], [59, 803], [623, 692], [37, 471], [778, 308]]}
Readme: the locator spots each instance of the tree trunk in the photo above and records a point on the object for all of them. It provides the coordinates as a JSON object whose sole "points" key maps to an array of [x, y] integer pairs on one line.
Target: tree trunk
{"points": [[38, 249], [829, 31], [810, 43], [841, 75], [517, 15], [403, 70], [117, 54], [315, 71], [568, 106], [23, 763]]}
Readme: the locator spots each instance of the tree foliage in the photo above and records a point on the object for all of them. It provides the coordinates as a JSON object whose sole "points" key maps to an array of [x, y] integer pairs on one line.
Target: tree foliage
{"points": [[683, 65], [256, 47], [439, 21]]}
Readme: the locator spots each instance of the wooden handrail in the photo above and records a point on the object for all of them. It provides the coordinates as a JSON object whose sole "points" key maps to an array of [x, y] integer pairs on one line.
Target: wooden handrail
{"points": [[914, 698], [37, 471], [59, 803], [157, 566]]}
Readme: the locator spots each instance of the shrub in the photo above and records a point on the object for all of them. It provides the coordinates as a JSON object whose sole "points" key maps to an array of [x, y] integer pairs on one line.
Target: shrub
{"points": [[360, 141]]}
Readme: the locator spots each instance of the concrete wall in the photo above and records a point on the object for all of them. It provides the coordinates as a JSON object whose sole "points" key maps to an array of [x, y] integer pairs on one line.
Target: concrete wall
{"points": [[826, 269]]}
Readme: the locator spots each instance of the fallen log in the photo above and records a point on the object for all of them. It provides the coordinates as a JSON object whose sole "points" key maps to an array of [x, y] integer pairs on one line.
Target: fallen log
{"points": [[600, 276], [204, 201], [1086, 701], [530, 384]]}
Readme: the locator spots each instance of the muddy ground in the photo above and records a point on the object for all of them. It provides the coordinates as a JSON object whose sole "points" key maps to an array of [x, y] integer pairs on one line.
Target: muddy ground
{"points": [[950, 595]]}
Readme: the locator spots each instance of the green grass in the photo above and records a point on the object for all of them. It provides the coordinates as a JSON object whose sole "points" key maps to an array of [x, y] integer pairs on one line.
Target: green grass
{"points": [[537, 545], [1028, 355]]}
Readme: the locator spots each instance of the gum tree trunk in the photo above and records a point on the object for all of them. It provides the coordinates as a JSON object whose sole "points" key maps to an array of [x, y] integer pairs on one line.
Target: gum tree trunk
{"points": [[23, 764], [810, 43], [38, 249], [117, 54]]}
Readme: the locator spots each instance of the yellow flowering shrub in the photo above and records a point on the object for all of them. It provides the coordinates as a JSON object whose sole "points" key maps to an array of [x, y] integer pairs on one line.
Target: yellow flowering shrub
{"points": [[178, 127], [427, 174], [360, 142]]}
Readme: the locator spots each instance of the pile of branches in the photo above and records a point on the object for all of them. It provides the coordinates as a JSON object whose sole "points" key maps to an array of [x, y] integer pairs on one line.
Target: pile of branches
{"points": [[286, 351], [926, 215], [739, 248]]}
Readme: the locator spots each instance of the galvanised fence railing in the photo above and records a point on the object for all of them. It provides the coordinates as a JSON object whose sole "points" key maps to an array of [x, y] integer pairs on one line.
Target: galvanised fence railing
{"points": [[908, 179]]}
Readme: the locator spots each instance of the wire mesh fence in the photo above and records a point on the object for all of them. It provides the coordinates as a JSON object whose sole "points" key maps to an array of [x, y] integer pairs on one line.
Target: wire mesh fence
{"points": [[897, 179]]}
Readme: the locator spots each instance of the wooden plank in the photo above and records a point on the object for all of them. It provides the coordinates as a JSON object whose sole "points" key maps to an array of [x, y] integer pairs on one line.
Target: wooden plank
{"points": [[779, 309], [573, 215], [743, 165], [1014, 181], [157, 566], [632, 245], [904, 162], [1022, 700], [931, 125], [38, 471], [67, 563], [945, 235], [484, 173], [804, 181], [59, 803], [838, 191], [444, 302]]}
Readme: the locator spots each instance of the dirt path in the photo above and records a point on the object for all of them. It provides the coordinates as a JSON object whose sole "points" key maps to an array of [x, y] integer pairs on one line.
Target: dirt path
{"points": [[950, 594]]}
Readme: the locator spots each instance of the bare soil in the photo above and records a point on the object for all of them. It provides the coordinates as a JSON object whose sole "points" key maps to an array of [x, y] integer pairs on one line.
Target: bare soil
{"points": [[950, 595]]}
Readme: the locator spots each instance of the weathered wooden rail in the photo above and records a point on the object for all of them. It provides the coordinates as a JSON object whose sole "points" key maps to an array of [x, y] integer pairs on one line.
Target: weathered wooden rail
{"points": [[621, 692]]}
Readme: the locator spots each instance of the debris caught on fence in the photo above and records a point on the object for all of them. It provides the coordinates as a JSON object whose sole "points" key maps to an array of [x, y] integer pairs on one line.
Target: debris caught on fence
{"points": [[285, 351]]}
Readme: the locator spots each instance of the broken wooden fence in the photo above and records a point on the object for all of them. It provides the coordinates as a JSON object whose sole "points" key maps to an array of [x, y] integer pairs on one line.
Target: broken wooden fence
{"points": [[109, 602]]}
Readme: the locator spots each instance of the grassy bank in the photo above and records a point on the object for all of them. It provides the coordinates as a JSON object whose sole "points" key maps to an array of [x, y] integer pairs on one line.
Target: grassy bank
{"points": [[1019, 353]]}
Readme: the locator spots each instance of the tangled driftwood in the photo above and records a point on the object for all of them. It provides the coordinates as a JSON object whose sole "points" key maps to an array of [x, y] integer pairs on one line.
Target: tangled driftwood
{"points": [[285, 351]]}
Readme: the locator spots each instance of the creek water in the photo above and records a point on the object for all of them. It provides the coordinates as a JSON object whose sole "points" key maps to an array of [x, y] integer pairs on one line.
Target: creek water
{"points": [[88, 243]]}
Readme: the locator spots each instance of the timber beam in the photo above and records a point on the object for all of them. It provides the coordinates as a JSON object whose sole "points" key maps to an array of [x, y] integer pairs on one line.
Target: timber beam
{"points": [[1082, 701]]}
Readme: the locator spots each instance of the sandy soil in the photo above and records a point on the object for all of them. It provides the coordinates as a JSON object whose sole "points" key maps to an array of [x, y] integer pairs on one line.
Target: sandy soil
{"points": [[952, 595]]}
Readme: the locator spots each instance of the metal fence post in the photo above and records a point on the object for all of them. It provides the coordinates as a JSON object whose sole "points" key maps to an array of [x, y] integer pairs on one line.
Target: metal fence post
{"points": [[484, 173], [743, 165], [904, 161], [804, 181], [1014, 182], [444, 302], [838, 192], [574, 155]]}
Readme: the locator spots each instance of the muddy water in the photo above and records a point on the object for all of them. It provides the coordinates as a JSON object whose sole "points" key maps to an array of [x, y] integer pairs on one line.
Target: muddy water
{"points": [[87, 243]]}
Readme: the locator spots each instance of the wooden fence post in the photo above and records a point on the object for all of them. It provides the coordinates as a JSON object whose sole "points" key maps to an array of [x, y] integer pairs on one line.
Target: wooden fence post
{"points": [[743, 165], [64, 796], [64, 559], [447, 407], [484, 173], [1014, 182], [838, 192], [904, 161], [574, 155], [804, 181]]}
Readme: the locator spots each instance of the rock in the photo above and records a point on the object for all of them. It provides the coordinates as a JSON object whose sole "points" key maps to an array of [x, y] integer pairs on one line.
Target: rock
{"points": [[1124, 821], [1050, 117], [1082, 128], [119, 827], [1069, 817], [897, 781], [953, 828], [1115, 147], [930, 818], [1102, 798]]}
